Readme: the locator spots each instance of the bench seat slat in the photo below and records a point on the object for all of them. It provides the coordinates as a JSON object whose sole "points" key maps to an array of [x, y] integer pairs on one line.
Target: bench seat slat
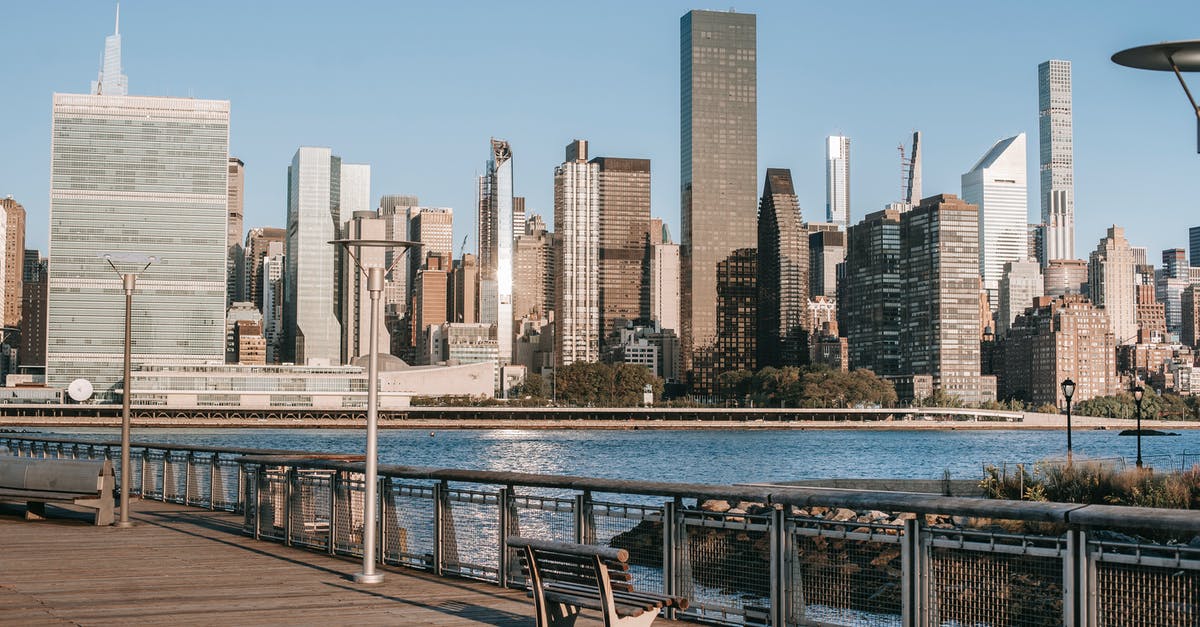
{"points": [[632, 596], [593, 603], [579, 550], [552, 571]]}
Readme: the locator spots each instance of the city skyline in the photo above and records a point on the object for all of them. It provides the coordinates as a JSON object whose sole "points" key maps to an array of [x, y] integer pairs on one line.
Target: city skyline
{"points": [[1122, 118]]}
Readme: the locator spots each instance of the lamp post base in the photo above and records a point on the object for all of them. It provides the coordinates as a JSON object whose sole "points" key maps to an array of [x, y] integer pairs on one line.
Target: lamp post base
{"points": [[124, 524], [371, 578]]}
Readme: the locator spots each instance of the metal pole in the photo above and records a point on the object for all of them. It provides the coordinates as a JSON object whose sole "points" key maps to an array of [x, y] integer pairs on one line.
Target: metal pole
{"points": [[368, 574], [1069, 451], [128, 281], [1138, 404]]}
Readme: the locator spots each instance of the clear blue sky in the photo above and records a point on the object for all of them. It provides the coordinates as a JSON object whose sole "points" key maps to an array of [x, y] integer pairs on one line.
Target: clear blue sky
{"points": [[416, 89]]}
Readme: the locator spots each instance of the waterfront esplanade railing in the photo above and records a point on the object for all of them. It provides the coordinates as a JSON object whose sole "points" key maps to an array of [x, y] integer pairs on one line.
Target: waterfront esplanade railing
{"points": [[750, 555]]}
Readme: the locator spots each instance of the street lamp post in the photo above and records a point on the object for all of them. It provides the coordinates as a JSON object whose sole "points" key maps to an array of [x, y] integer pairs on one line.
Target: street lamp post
{"points": [[1138, 391], [375, 281], [128, 284], [1068, 390]]}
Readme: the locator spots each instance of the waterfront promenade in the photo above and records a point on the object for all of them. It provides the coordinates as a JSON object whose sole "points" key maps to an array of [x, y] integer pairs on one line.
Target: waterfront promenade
{"points": [[189, 566]]}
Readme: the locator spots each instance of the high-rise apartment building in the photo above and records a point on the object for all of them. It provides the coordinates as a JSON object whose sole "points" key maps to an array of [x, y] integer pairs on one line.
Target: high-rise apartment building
{"points": [[12, 259], [1194, 246], [870, 301], [271, 305], [1111, 284], [261, 242], [235, 273], [312, 330], [577, 230], [33, 311], [238, 313], [533, 272], [664, 286], [783, 259], [826, 249], [1058, 339], [1056, 158], [1066, 276], [837, 180], [737, 316], [940, 325], [355, 299], [518, 216], [719, 162], [1021, 283], [1189, 304], [496, 246], [432, 305], [135, 176], [996, 184], [624, 223], [466, 290], [433, 227]]}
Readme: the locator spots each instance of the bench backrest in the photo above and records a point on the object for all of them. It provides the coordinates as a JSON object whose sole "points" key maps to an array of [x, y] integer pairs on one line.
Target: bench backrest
{"points": [[68, 476]]}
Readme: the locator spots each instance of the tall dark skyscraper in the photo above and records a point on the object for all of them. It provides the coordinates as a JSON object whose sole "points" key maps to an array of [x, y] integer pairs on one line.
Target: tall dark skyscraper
{"points": [[737, 316], [718, 164], [870, 301], [1194, 246], [624, 222], [782, 274]]}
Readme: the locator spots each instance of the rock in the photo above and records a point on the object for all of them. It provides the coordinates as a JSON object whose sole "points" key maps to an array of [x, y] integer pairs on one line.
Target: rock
{"points": [[818, 511], [842, 514], [861, 529], [747, 506], [885, 557], [799, 511], [876, 515], [715, 505]]}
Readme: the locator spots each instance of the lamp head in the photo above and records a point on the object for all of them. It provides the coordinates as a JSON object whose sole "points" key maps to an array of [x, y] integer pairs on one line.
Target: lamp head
{"points": [[1068, 388], [1138, 391]]}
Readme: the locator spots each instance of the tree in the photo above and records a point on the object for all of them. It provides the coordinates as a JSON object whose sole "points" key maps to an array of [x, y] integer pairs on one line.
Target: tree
{"points": [[533, 386], [601, 385]]}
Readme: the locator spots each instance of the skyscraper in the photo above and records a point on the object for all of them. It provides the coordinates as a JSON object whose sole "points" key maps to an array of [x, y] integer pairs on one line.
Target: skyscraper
{"points": [[940, 325], [496, 247], [718, 162], [531, 265], [235, 273], [737, 315], [135, 175], [1111, 283], [870, 301], [664, 285], [624, 216], [1056, 158], [33, 311], [433, 227], [1021, 283], [355, 299], [312, 333], [111, 81], [912, 187], [782, 274], [577, 228], [1194, 246], [837, 180], [996, 184], [261, 242], [12, 264], [826, 249]]}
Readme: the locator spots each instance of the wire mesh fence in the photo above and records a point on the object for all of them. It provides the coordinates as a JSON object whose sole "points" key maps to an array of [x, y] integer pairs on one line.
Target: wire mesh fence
{"points": [[471, 532], [1140, 586], [409, 524], [726, 564]]}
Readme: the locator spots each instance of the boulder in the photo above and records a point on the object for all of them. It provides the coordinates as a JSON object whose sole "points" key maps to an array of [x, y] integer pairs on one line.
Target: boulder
{"points": [[715, 505]]}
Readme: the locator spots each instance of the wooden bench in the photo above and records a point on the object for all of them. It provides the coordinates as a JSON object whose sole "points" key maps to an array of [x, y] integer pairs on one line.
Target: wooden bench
{"points": [[566, 577], [39, 481]]}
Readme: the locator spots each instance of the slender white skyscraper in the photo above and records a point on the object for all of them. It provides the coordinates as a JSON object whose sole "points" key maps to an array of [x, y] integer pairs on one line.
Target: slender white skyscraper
{"points": [[496, 247], [1057, 161], [577, 225], [111, 81], [837, 180], [997, 186], [312, 333]]}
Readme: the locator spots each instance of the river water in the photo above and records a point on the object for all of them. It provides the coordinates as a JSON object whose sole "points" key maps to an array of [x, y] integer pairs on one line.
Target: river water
{"points": [[701, 456]]}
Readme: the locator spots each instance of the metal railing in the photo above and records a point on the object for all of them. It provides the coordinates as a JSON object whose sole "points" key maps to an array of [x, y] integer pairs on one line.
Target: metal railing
{"points": [[743, 555]]}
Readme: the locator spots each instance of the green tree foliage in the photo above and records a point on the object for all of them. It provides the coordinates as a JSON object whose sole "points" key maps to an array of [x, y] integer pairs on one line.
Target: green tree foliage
{"points": [[534, 386], [1154, 406], [604, 385], [816, 386]]}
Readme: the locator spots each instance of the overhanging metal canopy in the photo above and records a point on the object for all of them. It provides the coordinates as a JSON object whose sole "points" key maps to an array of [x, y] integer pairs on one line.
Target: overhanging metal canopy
{"points": [[1168, 56]]}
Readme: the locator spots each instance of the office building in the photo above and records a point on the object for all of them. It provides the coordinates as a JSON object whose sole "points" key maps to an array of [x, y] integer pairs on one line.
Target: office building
{"points": [[870, 302], [837, 180], [664, 286], [783, 258], [1189, 304], [432, 304], [261, 243], [624, 186], [250, 343], [576, 229], [996, 184], [1021, 283], [135, 176], [466, 290], [940, 326], [33, 311], [311, 326], [1111, 283], [1150, 313], [1036, 243], [12, 259], [826, 249], [1056, 159], [1194, 246], [433, 228], [238, 312], [533, 271], [1066, 276], [396, 211], [719, 162], [271, 305], [496, 246], [355, 299], [737, 316], [235, 273], [1056, 339]]}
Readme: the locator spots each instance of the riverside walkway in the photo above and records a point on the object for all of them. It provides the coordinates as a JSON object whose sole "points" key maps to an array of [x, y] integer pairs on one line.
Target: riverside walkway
{"points": [[189, 566]]}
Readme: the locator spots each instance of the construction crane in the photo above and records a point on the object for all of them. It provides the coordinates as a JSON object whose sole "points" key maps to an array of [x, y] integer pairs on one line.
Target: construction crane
{"points": [[463, 246]]}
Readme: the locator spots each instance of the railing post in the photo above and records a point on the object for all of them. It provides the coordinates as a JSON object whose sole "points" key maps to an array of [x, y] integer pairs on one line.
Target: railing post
{"points": [[259, 482], [145, 455], [1070, 589], [212, 481], [189, 471], [670, 552], [910, 573], [289, 476], [241, 489], [504, 498], [585, 519], [439, 489], [779, 567], [384, 493], [335, 483]]}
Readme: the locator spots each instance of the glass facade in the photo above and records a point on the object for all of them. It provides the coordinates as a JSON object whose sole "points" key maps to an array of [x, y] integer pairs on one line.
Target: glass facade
{"points": [[142, 176], [310, 310], [996, 185], [1056, 158], [837, 180], [577, 227]]}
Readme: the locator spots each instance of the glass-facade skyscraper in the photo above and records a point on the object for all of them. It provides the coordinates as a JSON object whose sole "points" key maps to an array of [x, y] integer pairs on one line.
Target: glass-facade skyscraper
{"points": [[142, 176], [996, 185], [1057, 160], [496, 247], [837, 180], [718, 167], [312, 333]]}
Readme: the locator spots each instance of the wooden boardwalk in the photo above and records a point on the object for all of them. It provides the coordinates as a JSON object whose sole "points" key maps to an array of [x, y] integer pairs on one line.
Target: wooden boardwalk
{"points": [[186, 566]]}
